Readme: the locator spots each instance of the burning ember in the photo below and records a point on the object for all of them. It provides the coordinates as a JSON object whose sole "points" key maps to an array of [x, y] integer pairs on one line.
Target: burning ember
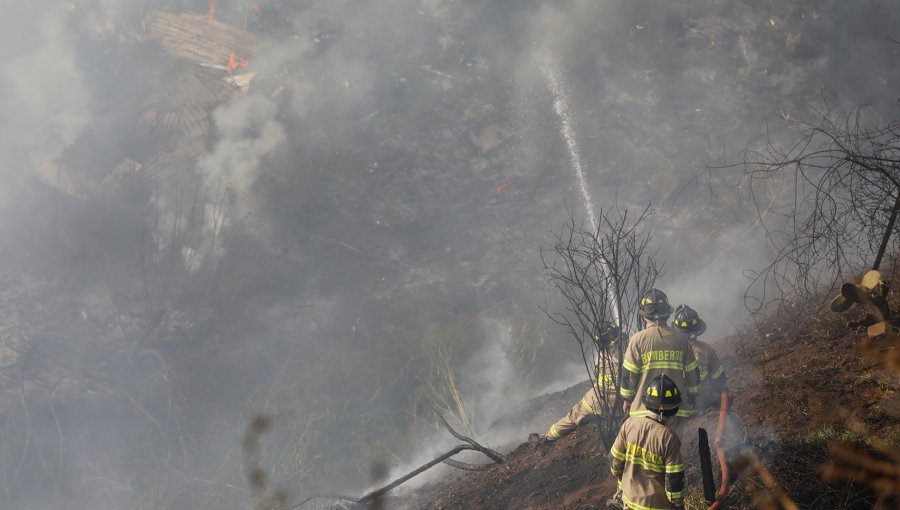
{"points": [[234, 63]]}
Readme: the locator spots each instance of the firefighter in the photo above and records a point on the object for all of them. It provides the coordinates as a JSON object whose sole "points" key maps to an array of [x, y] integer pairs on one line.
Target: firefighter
{"points": [[646, 455], [655, 350], [605, 388], [710, 371]]}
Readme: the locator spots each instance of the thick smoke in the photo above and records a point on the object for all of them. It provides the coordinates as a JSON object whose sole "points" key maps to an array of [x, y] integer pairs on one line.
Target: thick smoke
{"points": [[45, 98], [247, 132], [59, 107], [364, 223]]}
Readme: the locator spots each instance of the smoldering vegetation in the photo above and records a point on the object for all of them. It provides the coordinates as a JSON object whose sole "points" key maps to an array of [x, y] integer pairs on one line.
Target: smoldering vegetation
{"points": [[353, 240]]}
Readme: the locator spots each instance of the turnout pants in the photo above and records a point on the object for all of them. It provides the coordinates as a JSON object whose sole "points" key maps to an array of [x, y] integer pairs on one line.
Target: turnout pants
{"points": [[589, 405]]}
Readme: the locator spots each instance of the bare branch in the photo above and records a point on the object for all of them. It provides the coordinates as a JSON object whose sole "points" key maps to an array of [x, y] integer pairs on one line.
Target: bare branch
{"points": [[840, 213], [601, 275]]}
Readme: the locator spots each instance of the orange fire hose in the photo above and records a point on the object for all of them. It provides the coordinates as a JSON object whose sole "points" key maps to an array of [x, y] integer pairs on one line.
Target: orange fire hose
{"points": [[720, 453]]}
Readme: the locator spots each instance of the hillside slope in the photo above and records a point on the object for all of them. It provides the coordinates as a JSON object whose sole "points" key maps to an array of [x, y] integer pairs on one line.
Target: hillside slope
{"points": [[797, 384]]}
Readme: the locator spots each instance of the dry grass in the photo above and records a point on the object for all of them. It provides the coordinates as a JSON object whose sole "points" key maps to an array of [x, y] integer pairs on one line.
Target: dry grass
{"points": [[878, 466]]}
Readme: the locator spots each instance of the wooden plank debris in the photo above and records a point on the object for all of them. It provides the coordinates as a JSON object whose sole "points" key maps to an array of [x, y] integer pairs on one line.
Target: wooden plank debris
{"points": [[200, 39], [165, 165], [176, 119], [181, 108], [70, 178]]}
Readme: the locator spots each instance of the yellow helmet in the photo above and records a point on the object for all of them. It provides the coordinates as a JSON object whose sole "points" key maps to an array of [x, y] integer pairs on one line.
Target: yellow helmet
{"points": [[662, 394]]}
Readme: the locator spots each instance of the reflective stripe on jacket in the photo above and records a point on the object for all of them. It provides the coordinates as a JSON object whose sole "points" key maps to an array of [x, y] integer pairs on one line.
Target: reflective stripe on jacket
{"points": [[711, 375], [646, 458], [654, 351], [710, 367]]}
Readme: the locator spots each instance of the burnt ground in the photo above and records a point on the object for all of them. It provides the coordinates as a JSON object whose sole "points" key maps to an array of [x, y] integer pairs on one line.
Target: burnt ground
{"points": [[573, 473], [798, 383]]}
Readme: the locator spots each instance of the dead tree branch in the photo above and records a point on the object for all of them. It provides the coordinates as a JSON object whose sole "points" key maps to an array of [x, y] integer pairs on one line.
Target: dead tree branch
{"points": [[767, 493], [841, 213], [371, 497], [491, 454], [601, 275]]}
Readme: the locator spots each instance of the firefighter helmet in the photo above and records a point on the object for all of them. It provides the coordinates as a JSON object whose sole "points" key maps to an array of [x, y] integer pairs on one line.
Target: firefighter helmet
{"points": [[662, 395], [687, 319], [655, 305], [609, 333]]}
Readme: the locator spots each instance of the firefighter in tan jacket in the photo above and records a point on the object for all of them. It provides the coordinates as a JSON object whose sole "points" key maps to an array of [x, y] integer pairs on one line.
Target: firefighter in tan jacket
{"points": [[711, 373], [602, 395], [646, 456], [657, 350]]}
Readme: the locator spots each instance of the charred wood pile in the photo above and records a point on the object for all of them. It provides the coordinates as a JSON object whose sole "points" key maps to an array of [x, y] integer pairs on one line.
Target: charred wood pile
{"points": [[175, 120], [181, 109], [167, 164]]}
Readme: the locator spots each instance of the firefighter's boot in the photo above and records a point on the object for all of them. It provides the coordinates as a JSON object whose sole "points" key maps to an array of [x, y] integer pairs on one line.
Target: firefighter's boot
{"points": [[616, 501]]}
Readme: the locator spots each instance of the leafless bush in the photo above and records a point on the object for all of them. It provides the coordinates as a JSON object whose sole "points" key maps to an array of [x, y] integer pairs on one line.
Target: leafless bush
{"points": [[878, 470], [828, 205], [601, 275]]}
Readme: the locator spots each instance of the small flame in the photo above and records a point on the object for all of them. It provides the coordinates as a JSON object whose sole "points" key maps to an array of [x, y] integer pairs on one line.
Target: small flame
{"points": [[212, 9], [234, 63]]}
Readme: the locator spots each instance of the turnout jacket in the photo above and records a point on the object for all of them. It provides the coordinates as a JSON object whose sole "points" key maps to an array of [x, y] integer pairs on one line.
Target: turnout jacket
{"points": [[606, 372], [654, 351], [646, 458], [711, 375]]}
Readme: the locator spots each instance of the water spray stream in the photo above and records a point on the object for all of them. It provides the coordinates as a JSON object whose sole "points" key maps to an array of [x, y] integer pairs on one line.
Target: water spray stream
{"points": [[561, 108], [563, 113]]}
